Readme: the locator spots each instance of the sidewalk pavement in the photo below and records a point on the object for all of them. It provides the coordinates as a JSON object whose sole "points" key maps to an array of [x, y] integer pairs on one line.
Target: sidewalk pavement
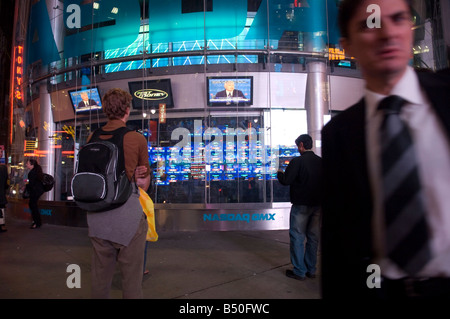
{"points": [[182, 265]]}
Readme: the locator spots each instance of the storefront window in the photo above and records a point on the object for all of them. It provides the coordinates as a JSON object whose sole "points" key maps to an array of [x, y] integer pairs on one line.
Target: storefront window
{"points": [[203, 148]]}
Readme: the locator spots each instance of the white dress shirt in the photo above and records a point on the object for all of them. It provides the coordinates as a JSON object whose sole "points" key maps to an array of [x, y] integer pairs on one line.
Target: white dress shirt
{"points": [[432, 148]]}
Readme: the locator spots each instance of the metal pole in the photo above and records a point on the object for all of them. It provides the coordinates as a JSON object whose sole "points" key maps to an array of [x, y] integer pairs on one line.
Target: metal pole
{"points": [[316, 101], [45, 133]]}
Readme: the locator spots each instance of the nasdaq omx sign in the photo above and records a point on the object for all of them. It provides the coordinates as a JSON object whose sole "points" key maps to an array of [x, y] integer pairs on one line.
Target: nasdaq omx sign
{"points": [[93, 26]]}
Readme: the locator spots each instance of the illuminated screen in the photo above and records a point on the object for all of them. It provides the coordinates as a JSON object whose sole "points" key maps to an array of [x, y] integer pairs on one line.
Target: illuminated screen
{"points": [[219, 169], [225, 91], [85, 100]]}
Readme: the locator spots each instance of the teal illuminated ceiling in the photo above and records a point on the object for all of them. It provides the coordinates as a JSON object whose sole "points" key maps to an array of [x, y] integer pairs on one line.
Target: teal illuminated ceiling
{"points": [[167, 23], [115, 27], [137, 47]]}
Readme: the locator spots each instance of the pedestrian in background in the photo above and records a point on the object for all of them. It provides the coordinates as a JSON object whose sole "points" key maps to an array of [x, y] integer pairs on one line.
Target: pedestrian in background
{"points": [[3, 200], [35, 190], [304, 176]]}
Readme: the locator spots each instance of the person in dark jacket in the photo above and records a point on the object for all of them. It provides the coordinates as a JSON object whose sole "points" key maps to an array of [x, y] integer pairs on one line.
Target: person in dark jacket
{"points": [[35, 189], [3, 185], [359, 231], [3, 199], [304, 176]]}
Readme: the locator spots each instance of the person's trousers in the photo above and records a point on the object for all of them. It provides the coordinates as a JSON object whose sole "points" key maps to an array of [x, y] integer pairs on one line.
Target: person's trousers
{"points": [[131, 262], [34, 209], [304, 223]]}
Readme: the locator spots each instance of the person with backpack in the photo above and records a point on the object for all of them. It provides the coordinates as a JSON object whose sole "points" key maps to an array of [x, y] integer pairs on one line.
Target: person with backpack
{"points": [[119, 234], [35, 189]]}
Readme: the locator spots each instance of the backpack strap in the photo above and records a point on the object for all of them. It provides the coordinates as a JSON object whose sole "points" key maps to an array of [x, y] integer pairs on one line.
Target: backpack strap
{"points": [[116, 137]]}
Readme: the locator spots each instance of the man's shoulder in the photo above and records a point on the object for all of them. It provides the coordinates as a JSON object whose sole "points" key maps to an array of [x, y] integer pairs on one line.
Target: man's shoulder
{"points": [[437, 79], [309, 156], [221, 93], [135, 136], [355, 111], [445, 74], [296, 159]]}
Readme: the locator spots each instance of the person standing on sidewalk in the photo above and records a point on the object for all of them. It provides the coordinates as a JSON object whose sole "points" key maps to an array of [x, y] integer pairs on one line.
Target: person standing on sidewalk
{"points": [[3, 199], [119, 235], [35, 189], [304, 176]]}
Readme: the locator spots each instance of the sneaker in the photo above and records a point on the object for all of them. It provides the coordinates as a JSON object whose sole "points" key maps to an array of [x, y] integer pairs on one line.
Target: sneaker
{"points": [[290, 274], [309, 275]]}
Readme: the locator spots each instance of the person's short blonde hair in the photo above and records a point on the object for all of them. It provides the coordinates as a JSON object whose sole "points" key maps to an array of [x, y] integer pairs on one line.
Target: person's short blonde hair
{"points": [[115, 103]]}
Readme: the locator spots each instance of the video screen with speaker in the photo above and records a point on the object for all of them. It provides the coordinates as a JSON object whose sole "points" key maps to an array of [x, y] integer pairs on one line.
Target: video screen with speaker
{"points": [[85, 100], [229, 91]]}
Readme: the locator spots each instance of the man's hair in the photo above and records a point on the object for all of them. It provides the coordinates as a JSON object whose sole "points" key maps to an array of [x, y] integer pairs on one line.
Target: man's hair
{"points": [[306, 140], [115, 103], [347, 9], [37, 167]]}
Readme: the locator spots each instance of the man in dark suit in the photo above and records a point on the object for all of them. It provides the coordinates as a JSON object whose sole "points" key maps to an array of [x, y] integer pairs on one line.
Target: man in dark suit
{"points": [[230, 91], [86, 101], [355, 262]]}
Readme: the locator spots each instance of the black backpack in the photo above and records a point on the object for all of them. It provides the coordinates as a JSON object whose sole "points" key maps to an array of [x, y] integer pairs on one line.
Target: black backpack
{"points": [[100, 182], [48, 181]]}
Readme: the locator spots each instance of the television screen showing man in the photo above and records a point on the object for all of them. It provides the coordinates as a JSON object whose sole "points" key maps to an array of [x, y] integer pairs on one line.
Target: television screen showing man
{"points": [[86, 102], [230, 92], [224, 91]]}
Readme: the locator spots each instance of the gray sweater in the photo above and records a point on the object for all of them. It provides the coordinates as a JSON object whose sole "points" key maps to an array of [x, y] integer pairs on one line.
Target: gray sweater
{"points": [[118, 225]]}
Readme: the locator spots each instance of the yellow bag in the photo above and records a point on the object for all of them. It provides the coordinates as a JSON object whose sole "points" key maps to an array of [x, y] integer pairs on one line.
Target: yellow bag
{"points": [[149, 210]]}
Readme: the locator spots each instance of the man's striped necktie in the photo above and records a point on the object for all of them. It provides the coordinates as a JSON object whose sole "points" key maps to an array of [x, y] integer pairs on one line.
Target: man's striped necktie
{"points": [[407, 240]]}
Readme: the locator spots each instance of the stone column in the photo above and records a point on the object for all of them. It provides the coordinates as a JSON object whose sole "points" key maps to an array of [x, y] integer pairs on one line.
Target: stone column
{"points": [[45, 135], [55, 9], [316, 100]]}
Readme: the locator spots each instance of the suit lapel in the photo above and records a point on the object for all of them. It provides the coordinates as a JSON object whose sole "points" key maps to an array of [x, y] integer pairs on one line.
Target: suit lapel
{"points": [[354, 135], [359, 149]]}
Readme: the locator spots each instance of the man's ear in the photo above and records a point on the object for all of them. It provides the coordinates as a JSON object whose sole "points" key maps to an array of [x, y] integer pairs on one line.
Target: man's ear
{"points": [[127, 114]]}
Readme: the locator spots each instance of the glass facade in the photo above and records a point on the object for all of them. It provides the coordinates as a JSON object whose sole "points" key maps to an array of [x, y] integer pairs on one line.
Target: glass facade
{"points": [[174, 57]]}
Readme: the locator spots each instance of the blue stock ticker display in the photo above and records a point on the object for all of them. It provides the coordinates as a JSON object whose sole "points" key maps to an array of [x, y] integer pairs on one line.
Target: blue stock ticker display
{"points": [[236, 161]]}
